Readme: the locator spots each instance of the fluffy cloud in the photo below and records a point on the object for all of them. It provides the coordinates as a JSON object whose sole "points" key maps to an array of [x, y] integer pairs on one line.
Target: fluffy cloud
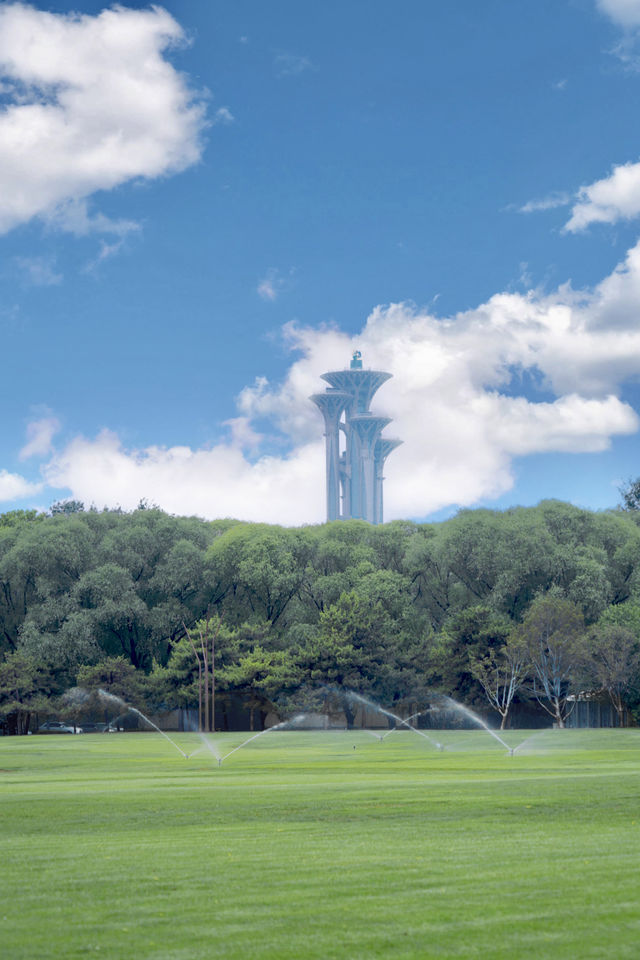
{"points": [[218, 482], [616, 197], [456, 398], [40, 434], [91, 103], [14, 487]]}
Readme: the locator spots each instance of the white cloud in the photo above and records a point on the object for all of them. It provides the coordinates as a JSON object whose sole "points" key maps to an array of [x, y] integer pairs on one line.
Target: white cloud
{"points": [[616, 197], [243, 435], [93, 104], [15, 487], [625, 13], [454, 400], [451, 398], [40, 434], [218, 482], [546, 203]]}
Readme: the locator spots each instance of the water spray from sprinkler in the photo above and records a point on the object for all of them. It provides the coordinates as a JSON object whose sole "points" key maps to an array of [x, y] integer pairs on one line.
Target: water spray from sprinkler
{"points": [[285, 723], [406, 723], [460, 707], [111, 698], [394, 716]]}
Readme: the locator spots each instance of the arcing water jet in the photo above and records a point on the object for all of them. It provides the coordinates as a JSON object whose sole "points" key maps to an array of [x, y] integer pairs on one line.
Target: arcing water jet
{"points": [[407, 721], [297, 719], [388, 713], [110, 697], [476, 719]]}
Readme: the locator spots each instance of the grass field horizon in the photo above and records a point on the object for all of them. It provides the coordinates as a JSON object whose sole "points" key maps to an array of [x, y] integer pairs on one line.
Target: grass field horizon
{"points": [[322, 845]]}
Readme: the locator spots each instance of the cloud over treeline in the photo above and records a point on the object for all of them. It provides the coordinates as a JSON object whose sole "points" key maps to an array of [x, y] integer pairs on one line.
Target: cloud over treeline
{"points": [[520, 374]]}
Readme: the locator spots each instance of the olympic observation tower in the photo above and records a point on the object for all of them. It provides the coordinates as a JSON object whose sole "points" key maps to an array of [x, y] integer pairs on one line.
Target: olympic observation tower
{"points": [[356, 451]]}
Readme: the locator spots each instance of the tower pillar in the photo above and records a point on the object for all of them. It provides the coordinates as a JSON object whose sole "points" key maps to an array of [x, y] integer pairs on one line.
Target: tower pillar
{"points": [[331, 404]]}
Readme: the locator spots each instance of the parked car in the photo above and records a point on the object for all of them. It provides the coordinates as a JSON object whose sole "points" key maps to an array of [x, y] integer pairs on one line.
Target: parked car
{"points": [[94, 727], [56, 726]]}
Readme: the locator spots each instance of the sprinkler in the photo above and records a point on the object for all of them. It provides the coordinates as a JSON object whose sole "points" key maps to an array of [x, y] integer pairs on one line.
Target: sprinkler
{"points": [[219, 761], [511, 752], [440, 747]]}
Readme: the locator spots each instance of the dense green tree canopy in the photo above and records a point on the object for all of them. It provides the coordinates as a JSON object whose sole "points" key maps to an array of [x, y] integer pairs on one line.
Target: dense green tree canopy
{"points": [[392, 611]]}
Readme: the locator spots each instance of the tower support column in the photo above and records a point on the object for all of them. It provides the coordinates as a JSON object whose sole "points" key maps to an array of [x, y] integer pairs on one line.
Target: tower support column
{"points": [[331, 405]]}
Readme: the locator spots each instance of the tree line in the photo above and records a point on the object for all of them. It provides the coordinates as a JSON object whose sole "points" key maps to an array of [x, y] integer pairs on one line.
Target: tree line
{"points": [[492, 608]]}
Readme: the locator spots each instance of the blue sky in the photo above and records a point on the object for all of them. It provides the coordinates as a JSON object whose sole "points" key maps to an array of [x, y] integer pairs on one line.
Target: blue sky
{"points": [[203, 206]]}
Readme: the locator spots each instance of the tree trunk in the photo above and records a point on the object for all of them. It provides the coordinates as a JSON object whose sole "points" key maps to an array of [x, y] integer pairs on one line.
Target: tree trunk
{"points": [[213, 683], [205, 673], [558, 714], [616, 699]]}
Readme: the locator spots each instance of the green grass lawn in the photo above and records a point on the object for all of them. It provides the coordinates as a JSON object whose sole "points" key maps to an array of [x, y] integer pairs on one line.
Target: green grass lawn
{"points": [[300, 846]]}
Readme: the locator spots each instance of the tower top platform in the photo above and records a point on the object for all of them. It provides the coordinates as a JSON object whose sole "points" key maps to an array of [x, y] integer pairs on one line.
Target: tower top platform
{"points": [[360, 384]]}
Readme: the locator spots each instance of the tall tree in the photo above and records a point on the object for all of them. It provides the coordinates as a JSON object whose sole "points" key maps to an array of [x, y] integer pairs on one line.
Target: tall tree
{"points": [[470, 634], [501, 674], [203, 643], [614, 661], [552, 633], [352, 651], [25, 687]]}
